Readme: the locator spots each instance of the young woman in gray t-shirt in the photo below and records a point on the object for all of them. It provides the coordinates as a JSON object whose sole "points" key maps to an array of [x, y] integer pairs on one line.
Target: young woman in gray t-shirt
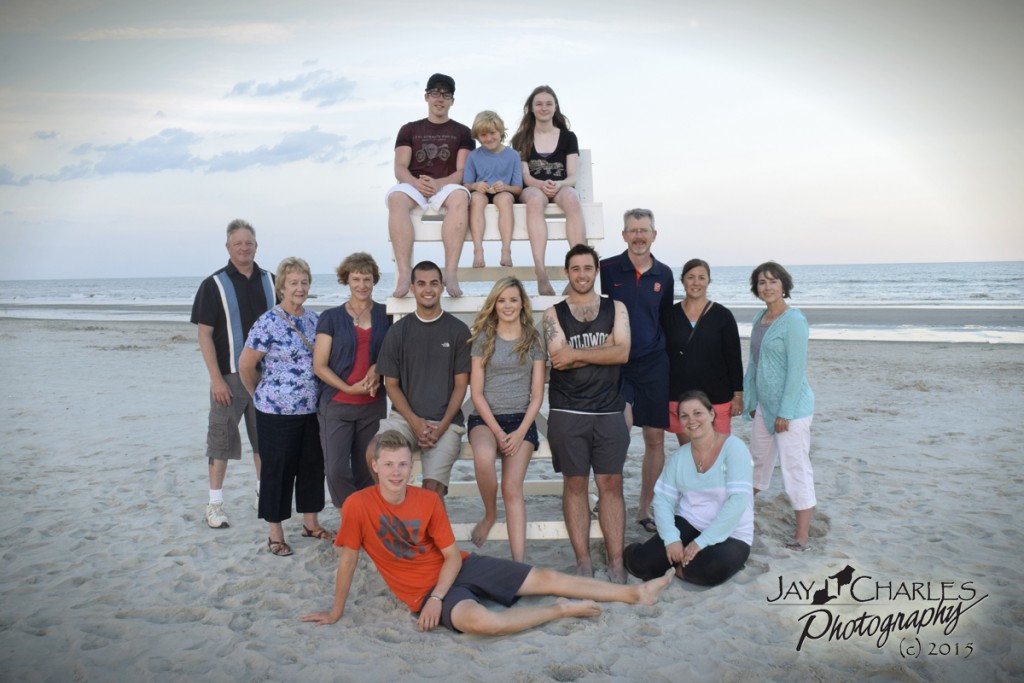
{"points": [[507, 384]]}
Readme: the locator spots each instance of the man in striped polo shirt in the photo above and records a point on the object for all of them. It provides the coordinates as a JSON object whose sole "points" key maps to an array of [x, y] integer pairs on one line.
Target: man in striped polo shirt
{"points": [[226, 306]]}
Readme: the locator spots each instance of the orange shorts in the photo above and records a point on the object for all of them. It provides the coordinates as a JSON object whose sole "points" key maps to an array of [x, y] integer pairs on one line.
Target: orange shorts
{"points": [[722, 423]]}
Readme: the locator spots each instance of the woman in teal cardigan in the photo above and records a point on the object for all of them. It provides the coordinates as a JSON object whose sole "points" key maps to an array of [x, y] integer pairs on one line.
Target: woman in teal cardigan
{"points": [[777, 397]]}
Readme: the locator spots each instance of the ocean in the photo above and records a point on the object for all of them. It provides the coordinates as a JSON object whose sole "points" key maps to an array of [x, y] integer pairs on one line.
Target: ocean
{"points": [[953, 302]]}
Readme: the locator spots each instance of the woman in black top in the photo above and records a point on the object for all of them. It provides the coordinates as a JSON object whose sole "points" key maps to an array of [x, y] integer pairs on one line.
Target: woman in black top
{"points": [[703, 345], [550, 154]]}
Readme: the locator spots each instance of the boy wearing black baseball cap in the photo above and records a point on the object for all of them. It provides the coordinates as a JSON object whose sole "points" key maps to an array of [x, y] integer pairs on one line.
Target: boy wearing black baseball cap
{"points": [[429, 157]]}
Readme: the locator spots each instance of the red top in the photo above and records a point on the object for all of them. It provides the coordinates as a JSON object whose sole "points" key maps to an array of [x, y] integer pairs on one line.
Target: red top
{"points": [[359, 369]]}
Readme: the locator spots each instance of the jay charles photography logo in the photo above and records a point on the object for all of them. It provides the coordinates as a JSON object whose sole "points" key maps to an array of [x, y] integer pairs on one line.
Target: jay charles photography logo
{"points": [[921, 616]]}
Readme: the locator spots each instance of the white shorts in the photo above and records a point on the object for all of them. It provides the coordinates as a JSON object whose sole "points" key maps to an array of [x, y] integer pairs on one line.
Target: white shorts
{"points": [[435, 202], [793, 449]]}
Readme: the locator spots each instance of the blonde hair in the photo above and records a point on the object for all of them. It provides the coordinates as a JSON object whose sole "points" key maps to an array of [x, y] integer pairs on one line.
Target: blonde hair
{"points": [[292, 264], [486, 120], [486, 323], [390, 440]]}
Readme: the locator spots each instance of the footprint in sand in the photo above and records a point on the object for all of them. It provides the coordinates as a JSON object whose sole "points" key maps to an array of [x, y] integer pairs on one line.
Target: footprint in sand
{"points": [[240, 623], [174, 615], [568, 672]]}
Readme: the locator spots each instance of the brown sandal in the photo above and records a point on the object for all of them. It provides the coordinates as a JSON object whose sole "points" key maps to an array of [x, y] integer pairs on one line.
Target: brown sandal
{"points": [[279, 548], [320, 532]]}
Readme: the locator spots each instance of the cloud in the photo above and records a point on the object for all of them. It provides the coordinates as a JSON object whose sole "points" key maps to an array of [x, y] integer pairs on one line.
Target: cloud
{"points": [[286, 85], [7, 177], [370, 144], [237, 34], [44, 134], [167, 150], [320, 86], [241, 89], [312, 144], [171, 149], [72, 172], [330, 92]]}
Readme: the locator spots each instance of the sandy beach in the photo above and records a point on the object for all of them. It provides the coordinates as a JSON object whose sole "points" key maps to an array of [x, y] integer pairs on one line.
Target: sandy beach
{"points": [[110, 572]]}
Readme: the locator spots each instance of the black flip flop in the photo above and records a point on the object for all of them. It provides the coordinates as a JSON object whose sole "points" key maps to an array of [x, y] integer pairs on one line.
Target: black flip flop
{"points": [[648, 524]]}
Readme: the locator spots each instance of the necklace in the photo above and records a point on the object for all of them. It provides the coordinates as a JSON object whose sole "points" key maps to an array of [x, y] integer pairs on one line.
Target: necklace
{"points": [[700, 464], [356, 317]]}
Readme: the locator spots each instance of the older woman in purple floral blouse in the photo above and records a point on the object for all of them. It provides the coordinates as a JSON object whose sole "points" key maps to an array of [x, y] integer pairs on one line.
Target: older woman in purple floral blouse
{"points": [[285, 395]]}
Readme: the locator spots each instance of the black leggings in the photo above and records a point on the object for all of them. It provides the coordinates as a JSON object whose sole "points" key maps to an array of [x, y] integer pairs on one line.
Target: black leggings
{"points": [[713, 565]]}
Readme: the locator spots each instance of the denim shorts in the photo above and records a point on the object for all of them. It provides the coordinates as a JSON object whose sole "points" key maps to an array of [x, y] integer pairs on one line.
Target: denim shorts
{"points": [[508, 423]]}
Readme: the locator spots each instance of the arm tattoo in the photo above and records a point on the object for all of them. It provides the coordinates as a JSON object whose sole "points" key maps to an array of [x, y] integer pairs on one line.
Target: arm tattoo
{"points": [[550, 330]]}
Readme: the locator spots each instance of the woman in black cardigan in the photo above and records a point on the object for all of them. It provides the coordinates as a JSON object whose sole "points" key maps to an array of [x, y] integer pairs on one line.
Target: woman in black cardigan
{"points": [[703, 345]]}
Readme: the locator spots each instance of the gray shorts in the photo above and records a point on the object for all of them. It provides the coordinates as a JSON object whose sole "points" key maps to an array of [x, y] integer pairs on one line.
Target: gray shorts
{"points": [[437, 461], [581, 441], [223, 440], [483, 577]]}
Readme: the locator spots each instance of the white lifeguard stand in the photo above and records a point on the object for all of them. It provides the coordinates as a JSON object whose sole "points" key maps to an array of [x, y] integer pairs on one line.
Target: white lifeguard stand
{"points": [[427, 228]]}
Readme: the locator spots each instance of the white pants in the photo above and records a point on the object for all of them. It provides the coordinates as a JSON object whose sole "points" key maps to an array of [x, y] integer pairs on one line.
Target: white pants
{"points": [[434, 202], [793, 449]]}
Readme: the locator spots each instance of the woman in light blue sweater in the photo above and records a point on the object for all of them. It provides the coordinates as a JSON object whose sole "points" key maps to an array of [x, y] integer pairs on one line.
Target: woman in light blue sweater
{"points": [[777, 397], [703, 504]]}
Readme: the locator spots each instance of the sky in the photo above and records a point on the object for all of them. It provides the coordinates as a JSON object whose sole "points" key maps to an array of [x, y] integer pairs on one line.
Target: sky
{"points": [[809, 132]]}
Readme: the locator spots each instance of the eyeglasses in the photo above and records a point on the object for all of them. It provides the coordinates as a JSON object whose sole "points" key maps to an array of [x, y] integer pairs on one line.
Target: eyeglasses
{"points": [[637, 231], [440, 93]]}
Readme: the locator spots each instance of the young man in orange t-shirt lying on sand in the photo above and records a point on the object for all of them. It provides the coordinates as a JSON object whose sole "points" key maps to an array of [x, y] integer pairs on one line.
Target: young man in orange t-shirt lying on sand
{"points": [[406, 533]]}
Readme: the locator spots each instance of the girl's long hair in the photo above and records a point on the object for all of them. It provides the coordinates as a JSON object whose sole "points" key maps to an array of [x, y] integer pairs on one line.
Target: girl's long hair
{"points": [[522, 141], [486, 324]]}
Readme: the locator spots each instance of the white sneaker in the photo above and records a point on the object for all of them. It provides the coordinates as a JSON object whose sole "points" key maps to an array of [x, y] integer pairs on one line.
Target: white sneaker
{"points": [[215, 516]]}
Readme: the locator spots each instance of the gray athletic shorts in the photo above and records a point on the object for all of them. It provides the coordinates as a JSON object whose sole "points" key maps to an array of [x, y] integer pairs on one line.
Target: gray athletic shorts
{"points": [[483, 577], [223, 440], [581, 441], [437, 461]]}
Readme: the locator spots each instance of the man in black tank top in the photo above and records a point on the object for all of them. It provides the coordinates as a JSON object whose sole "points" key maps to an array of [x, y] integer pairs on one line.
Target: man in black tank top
{"points": [[588, 340]]}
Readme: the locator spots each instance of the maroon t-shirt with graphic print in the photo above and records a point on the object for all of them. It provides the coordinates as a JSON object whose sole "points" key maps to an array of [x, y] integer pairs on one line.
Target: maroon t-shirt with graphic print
{"points": [[435, 146]]}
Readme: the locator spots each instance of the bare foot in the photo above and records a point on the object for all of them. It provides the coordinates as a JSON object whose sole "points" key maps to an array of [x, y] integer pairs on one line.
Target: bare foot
{"points": [[478, 258], [579, 608], [617, 573], [648, 591], [401, 289], [506, 258], [452, 286], [585, 569], [481, 531], [544, 287]]}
